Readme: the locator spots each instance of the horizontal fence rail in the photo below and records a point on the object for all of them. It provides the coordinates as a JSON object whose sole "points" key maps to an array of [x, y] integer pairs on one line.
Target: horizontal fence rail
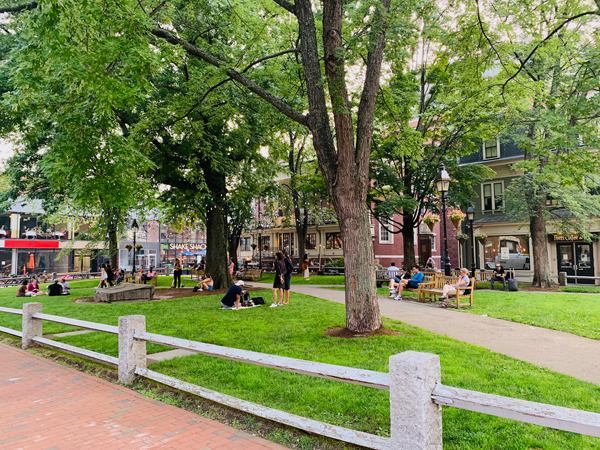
{"points": [[369, 378], [78, 351], [558, 417], [414, 382], [292, 420]]}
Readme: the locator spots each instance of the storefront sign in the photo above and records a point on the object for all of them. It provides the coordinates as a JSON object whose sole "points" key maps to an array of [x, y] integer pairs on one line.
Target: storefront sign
{"points": [[570, 237], [173, 246], [24, 243]]}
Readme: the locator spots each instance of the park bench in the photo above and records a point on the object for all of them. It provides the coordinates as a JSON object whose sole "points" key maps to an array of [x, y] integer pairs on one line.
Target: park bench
{"points": [[384, 276], [432, 289], [197, 273], [251, 275]]}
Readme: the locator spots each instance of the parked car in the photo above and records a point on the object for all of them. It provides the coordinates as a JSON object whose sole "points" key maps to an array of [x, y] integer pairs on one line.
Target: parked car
{"points": [[514, 261]]}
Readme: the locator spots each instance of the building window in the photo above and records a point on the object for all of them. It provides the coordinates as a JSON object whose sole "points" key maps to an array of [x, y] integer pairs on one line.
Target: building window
{"points": [[492, 195], [245, 244], [432, 241], [385, 235], [334, 241], [311, 241], [265, 241], [512, 252], [491, 149]]}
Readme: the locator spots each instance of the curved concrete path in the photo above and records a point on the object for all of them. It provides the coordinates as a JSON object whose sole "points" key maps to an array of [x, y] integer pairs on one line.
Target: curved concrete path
{"points": [[562, 352]]}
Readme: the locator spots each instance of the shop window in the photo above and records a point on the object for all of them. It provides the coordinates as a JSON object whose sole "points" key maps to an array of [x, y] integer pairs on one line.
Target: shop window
{"points": [[492, 195], [311, 241], [510, 251], [385, 235], [491, 149], [334, 241], [266, 242]]}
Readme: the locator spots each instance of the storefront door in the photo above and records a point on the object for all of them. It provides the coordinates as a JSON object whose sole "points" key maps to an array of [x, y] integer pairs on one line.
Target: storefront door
{"points": [[576, 259], [424, 247]]}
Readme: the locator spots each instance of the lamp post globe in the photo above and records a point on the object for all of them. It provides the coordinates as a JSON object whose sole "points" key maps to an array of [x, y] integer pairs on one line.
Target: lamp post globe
{"points": [[134, 228], [443, 185], [470, 217]]}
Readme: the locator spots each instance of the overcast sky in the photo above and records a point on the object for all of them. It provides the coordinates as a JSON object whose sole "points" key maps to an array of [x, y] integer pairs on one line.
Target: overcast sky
{"points": [[5, 151]]}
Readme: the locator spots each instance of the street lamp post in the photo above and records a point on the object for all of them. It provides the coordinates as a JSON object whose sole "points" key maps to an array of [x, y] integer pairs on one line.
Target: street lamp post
{"points": [[443, 184], [470, 217], [260, 228], [134, 228]]}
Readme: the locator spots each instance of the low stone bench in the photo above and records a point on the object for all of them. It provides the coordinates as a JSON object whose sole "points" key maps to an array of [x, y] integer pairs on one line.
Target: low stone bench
{"points": [[125, 291]]}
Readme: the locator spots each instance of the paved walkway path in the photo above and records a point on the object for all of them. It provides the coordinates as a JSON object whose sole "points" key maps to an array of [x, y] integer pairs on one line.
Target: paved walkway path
{"points": [[559, 351], [44, 405]]}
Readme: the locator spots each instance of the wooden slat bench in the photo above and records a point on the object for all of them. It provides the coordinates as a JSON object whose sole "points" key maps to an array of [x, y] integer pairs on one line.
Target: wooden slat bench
{"points": [[428, 278], [196, 273], [251, 275], [433, 289]]}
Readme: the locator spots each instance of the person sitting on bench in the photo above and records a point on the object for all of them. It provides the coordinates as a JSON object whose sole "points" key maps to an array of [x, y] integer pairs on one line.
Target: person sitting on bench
{"points": [[451, 289], [417, 279], [394, 282], [147, 276], [233, 296], [498, 275]]}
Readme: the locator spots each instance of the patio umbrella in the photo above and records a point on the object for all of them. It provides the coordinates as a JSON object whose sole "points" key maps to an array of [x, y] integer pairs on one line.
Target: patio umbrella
{"points": [[201, 252], [31, 261], [186, 253]]}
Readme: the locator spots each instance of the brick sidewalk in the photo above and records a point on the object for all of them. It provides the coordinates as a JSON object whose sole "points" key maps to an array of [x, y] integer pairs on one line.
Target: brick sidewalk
{"points": [[46, 406]]}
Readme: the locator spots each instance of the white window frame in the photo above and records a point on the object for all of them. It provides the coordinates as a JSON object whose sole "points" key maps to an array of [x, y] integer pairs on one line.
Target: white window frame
{"points": [[492, 183], [433, 241], [382, 228], [497, 149]]}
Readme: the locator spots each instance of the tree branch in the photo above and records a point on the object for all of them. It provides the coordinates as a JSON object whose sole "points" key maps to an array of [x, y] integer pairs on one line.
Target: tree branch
{"points": [[274, 55], [158, 8], [198, 53], [290, 6], [19, 8]]}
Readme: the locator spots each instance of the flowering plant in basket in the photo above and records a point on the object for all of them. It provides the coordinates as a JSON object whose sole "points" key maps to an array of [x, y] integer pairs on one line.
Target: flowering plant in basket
{"points": [[456, 217], [462, 238], [481, 237], [430, 220]]}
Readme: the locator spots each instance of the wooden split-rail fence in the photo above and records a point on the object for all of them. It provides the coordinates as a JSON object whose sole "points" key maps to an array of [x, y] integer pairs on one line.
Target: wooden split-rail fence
{"points": [[414, 383]]}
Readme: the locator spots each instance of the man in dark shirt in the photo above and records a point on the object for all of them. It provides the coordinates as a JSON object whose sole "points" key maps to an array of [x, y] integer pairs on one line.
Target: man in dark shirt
{"points": [[55, 289], [499, 275], [233, 296]]}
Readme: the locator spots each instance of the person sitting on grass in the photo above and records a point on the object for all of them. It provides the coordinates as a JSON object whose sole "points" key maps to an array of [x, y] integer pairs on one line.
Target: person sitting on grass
{"points": [[33, 286], [233, 296], [66, 288], [451, 289], [147, 276], [22, 289], [207, 283], [55, 289], [417, 279]]}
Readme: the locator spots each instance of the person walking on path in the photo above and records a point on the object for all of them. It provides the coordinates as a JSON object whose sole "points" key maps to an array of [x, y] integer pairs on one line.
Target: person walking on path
{"points": [[177, 271], [110, 275], [279, 281], [305, 267], [289, 268]]}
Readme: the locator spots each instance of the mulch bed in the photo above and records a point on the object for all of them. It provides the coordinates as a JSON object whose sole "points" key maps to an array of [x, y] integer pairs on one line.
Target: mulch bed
{"points": [[343, 332], [169, 294]]}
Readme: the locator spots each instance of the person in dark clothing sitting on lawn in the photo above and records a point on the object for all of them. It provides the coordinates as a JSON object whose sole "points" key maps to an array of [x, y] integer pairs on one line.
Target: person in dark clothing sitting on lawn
{"points": [[233, 296], [499, 275], [55, 289]]}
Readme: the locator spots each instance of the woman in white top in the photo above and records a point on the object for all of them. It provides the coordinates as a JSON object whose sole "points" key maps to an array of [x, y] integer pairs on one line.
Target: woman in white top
{"points": [[103, 277], [450, 289]]}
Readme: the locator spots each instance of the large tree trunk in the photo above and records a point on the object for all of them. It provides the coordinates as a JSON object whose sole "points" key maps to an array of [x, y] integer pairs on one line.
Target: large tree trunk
{"points": [[408, 239], [216, 247], [362, 306], [113, 245], [539, 251]]}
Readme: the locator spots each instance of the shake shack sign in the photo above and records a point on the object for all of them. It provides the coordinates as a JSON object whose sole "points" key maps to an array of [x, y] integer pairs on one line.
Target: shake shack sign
{"points": [[173, 246]]}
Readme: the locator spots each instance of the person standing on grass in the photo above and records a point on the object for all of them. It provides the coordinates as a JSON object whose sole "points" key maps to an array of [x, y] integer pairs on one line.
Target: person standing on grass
{"points": [[231, 265], [289, 268], [279, 281], [177, 271], [305, 267], [103, 276]]}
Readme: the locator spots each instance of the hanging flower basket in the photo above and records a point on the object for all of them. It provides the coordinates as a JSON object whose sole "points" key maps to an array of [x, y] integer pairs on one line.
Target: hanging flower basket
{"points": [[456, 217], [462, 238], [139, 247], [128, 247], [430, 220], [481, 237]]}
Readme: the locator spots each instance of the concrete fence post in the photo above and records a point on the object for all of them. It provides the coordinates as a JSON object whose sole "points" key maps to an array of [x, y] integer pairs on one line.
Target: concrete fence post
{"points": [[416, 421], [132, 352], [53, 276], [562, 278], [31, 327]]}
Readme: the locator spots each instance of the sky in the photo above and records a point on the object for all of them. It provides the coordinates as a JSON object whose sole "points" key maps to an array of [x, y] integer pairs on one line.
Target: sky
{"points": [[6, 150]]}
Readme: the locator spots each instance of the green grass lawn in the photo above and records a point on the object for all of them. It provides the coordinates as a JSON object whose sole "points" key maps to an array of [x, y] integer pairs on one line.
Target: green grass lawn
{"points": [[314, 279], [297, 331], [582, 289]]}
